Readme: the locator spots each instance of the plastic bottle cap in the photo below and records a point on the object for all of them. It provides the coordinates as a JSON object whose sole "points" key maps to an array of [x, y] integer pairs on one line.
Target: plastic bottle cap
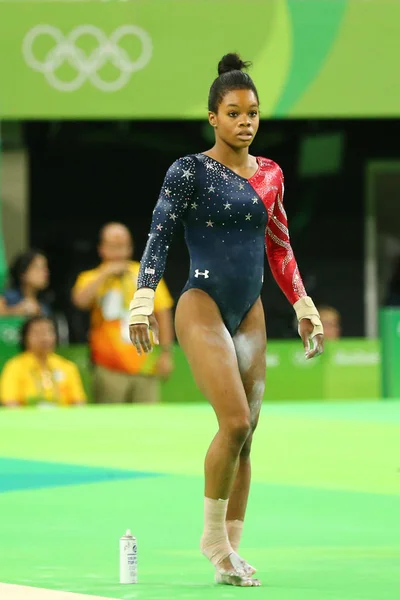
{"points": [[128, 533]]}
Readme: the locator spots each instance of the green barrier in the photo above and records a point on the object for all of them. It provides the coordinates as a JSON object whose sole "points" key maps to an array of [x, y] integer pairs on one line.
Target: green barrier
{"points": [[9, 337], [389, 321], [290, 376], [349, 369], [352, 369], [116, 59]]}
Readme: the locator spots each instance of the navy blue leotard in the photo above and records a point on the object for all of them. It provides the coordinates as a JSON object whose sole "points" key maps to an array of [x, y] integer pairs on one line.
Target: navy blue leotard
{"points": [[228, 221]]}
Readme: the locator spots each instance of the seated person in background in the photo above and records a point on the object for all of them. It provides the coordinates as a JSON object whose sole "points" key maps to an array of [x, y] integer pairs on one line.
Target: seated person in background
{"points": [[121, 375], [330, 318], [29, 275], [38, 375]]}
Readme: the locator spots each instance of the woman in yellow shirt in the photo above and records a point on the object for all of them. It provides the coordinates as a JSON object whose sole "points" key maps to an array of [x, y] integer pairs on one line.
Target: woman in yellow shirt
{"points": [[38, 375]]}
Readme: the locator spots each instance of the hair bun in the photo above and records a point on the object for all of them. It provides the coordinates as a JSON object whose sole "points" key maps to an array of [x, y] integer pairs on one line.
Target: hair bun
{"points": [[231, 62]]}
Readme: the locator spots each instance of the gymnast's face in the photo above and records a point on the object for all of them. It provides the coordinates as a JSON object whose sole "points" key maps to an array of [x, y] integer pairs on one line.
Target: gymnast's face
{"points": [[237, 120]]}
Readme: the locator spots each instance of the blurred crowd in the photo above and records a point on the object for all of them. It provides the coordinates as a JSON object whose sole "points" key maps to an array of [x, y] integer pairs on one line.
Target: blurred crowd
{"points": [[39, 375]]}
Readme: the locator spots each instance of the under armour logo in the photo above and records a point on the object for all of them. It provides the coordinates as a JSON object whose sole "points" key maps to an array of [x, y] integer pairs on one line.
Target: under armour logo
{"points": [[197, 273]]}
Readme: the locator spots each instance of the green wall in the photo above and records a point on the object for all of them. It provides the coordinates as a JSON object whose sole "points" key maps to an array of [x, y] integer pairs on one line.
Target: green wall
{"points": [[157, 58], [349, 369], [389, 323]]}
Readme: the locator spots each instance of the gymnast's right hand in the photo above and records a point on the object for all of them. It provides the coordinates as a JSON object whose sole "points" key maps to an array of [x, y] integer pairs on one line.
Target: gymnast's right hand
{"points": [[142, 319]]}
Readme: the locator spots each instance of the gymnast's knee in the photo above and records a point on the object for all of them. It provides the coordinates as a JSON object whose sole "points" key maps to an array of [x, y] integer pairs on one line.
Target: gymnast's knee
{"points": [[246, 448], [237, 429]]}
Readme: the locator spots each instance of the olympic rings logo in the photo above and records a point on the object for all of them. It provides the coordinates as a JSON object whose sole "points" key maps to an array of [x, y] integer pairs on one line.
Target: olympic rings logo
{"points": [[87, 67]]}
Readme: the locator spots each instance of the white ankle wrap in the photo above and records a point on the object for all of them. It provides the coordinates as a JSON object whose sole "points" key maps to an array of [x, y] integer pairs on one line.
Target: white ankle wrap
{"points": [[214, 542], [234, 529]]}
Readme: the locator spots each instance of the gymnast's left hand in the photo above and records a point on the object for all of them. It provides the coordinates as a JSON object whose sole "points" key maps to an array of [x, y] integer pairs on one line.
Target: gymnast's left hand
{"points": [[140, 335], [306, 329]]}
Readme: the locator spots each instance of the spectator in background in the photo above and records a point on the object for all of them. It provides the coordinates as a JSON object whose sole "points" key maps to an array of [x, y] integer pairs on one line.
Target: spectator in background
{"points": [[29, 278], [331, 322], [121, 375], [38, 375]]}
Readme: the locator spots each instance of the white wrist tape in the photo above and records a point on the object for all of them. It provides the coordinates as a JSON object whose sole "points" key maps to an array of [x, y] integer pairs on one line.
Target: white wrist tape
{"points": [[141, 307], [306, 309]]}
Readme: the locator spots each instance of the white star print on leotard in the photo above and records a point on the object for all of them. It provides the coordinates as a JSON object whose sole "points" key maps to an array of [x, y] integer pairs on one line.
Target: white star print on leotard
{"points": [[228, 219]]}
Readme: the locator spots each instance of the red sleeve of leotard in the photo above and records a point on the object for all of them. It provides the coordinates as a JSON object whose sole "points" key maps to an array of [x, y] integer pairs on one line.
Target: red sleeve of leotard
{"points": [[279, 251]]}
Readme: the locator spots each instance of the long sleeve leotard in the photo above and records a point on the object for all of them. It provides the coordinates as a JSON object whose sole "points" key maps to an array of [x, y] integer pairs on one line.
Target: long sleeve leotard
{"points": [[228, 222]]}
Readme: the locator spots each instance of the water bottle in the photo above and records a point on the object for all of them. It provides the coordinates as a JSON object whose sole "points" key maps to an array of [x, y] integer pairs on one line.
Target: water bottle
{"points": [[127, 558]]}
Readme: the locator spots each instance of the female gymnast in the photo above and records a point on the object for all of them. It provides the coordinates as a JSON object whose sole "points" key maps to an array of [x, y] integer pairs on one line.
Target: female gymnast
{"points": [[231, 204]]}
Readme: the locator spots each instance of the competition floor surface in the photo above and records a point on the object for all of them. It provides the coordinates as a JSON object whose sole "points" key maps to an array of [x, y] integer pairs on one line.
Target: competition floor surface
{"points": [[323, 521]]}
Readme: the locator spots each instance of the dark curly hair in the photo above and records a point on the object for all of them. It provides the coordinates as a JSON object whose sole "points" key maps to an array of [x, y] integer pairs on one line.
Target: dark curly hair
{"points": [[230, 77]]}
